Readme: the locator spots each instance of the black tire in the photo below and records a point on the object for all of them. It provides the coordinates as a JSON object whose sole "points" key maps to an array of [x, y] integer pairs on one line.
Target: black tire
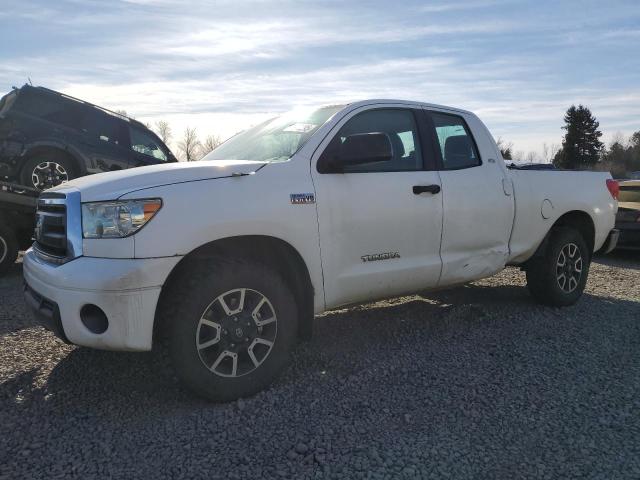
{"points": [[8, 247], [544, 274], [55, 177], [197, 289]]}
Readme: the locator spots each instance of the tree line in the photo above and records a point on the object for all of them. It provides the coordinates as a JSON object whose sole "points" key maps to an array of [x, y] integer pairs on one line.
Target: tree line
{"points": [[582, 149], [188, 147]]}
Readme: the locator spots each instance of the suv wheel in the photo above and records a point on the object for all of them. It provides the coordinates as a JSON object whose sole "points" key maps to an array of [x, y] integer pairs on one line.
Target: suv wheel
{"points": [[230, 327], [558, 277], [47, 170], [8, 248]]}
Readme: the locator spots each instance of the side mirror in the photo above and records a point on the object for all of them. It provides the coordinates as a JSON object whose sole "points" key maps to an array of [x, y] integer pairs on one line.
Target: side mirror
{"points": [[355, 150]]}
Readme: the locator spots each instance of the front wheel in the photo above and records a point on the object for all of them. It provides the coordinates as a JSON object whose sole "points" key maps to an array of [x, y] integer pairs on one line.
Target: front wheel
{"points": [[559, 276], [8, 247], [230, 327]]}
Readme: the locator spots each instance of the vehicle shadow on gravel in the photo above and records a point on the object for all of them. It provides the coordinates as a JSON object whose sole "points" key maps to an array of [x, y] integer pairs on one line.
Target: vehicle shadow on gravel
{"points": [[14, 315], [620, 258]]}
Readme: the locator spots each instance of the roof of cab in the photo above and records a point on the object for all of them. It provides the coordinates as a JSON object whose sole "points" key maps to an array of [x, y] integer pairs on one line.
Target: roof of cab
{"points": [[376, 101]]}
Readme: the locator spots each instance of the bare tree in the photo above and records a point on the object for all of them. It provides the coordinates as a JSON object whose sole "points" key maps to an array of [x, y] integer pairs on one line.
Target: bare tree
{"points": [[164, 131], [210, 143], [189, 146], [506, 149], [532, 157], [549, 152], [122, 112]]}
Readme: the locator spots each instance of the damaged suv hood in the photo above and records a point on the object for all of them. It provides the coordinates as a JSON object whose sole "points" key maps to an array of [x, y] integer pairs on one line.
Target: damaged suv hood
{"points": [[112, 185]]}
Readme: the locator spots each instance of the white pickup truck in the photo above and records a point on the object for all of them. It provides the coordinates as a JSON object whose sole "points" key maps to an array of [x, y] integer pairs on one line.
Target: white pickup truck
{"points": [[225, 261]]}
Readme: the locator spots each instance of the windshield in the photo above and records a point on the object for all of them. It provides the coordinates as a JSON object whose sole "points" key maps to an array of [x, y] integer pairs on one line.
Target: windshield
{"points": [[276, 139]]}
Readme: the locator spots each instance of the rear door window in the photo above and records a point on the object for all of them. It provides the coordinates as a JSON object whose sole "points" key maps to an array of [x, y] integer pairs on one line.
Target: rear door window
{"points": [[457, 147]]}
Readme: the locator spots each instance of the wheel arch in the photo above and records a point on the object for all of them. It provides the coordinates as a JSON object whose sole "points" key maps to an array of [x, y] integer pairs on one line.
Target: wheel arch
{"points": [[577, 219], [40, 147], [272, 251]]}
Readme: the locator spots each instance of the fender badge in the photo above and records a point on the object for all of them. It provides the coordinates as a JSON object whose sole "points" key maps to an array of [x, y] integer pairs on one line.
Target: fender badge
{"points": [[302, 198]]}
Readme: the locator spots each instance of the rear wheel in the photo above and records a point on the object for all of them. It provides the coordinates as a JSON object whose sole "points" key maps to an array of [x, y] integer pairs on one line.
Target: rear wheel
{"points": [[230, 327], [8, 247], [559, 276], [47, 170]]}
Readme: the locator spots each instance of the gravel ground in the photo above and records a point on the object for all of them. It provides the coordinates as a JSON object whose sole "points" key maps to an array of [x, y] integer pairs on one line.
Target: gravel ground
{"points": [[474, 382]]}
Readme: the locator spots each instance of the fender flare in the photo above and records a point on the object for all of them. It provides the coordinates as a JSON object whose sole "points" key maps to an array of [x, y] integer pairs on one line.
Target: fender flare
{"points": [[67, 149]]}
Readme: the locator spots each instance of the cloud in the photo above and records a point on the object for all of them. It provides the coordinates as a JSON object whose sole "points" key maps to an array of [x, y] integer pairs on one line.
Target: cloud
{"points": [[215, 66]]}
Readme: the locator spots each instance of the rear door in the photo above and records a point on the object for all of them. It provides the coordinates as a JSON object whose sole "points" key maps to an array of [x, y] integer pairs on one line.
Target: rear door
{"points": [[478, 205], [378, 238]]}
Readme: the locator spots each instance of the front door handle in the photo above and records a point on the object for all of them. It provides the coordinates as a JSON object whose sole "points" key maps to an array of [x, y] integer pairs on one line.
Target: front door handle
{"points": [[418, 189]]}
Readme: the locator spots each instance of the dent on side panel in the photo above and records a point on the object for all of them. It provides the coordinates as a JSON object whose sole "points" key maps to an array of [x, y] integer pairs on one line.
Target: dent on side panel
{"points": [[485, 264]]}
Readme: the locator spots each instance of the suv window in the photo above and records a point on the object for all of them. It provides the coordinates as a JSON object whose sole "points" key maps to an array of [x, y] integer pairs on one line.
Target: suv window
{"points": [[145, 143], [399, 125], [49, 107], [103, 126], [456, 143]]}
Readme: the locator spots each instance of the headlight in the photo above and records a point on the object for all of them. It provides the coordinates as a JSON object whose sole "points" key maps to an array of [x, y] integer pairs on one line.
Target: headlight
{"points": [[117, 219]]}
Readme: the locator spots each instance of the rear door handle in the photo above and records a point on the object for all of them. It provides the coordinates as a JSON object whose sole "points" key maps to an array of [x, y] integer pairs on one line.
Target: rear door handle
{"points": [[418, 189]]}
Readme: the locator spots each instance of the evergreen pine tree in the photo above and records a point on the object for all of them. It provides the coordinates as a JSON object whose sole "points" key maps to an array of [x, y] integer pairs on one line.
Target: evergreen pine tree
{"points": [[581, 146]]}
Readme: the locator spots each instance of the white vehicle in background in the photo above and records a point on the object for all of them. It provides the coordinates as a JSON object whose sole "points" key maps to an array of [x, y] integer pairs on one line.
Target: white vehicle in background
{"points": [[229, 258]]}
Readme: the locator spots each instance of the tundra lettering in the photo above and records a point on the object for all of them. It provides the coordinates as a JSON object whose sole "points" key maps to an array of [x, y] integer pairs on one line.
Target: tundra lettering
{"points": [[380, 256]]}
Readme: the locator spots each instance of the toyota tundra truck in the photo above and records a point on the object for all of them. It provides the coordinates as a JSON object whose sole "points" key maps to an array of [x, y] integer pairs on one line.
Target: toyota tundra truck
{"points": [[225, 261]]}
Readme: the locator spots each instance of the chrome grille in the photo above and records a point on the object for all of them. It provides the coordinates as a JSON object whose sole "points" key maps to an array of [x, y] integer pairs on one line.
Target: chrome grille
{"points": [[51, 225], [58, 235]]}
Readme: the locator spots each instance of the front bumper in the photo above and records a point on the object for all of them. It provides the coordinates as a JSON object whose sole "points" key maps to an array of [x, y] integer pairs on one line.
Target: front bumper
{"points": [[126, 290]]}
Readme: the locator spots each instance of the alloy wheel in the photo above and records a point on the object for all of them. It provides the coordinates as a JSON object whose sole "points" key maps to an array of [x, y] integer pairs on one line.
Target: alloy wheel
{"points": [[236, 332], [48, 174], [569, 268]]}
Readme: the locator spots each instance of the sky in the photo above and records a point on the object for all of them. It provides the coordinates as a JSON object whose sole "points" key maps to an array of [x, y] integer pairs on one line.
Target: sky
{"points": [[225, 65]]}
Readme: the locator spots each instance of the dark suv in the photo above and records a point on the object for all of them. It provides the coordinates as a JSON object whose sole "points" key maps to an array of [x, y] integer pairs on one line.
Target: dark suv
{"points": [[47, 137]]}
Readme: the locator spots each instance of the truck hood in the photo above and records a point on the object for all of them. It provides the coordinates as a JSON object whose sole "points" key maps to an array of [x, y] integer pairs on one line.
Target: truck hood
{"points": [[112, 185]]}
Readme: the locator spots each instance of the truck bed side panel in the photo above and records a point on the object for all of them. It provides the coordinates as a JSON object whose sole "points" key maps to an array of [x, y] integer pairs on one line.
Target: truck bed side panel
{"points": [[560, 192]]}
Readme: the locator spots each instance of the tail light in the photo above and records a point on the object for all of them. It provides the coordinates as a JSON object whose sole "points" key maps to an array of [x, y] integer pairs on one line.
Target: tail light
{"points": [[614, 188]]}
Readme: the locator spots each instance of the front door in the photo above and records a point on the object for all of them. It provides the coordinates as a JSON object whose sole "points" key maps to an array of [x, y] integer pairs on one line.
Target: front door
{"points": [[380, 222]]}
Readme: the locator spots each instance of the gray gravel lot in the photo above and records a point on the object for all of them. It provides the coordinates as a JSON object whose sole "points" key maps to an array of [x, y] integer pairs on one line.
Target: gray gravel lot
{"points": [[474, 382]]}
